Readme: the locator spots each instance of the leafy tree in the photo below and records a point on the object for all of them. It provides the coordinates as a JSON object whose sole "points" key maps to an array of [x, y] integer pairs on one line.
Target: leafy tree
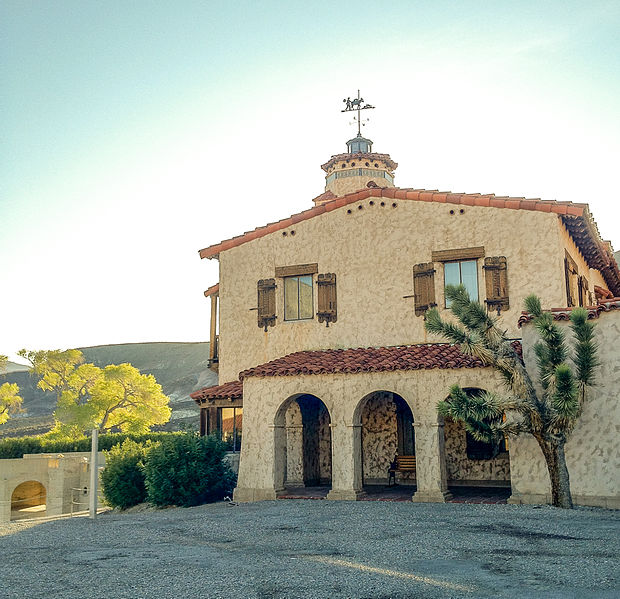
{"points": [[115, 398], [125, 400], [549, 416], [10, 401]]}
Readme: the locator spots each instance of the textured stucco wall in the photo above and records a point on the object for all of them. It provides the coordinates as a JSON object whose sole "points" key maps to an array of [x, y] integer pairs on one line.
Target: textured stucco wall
{"points": [[460, 468], [593, 450], [372, 251]]}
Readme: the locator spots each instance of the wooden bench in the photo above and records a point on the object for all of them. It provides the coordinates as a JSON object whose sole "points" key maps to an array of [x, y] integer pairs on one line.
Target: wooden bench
{"points": [[401, 463]]}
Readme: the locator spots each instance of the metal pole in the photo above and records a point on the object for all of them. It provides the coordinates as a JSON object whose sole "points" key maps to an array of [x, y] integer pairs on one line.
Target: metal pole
{"points": [[94, 474]]}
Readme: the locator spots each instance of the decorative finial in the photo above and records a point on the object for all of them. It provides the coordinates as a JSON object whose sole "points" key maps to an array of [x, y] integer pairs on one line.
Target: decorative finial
{"points": [[359, 105]]}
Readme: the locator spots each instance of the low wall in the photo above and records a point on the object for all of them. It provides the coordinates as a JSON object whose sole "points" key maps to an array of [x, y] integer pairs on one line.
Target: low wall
{"points": [[59, 474]]}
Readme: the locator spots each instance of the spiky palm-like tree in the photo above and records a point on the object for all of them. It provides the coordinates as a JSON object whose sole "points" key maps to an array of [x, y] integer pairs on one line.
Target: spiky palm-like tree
{"points": [[549, 416]]}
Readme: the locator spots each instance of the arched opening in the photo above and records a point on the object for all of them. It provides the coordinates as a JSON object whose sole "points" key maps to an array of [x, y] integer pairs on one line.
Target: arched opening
{"points": [[387, 432], [303, 444], [28, 500], [473, 464]]}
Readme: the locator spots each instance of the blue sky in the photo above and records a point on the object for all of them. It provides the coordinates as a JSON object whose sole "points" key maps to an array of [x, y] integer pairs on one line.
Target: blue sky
{"points": [[134, 134]]}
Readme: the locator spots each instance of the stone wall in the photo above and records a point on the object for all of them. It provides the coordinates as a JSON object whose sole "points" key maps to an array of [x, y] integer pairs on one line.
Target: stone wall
{"points": [[461, 469], [59, 474], [379, 437]]}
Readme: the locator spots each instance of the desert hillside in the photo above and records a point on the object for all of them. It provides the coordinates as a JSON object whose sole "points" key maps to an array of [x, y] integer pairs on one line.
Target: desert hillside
{"points": [[179, 368]]}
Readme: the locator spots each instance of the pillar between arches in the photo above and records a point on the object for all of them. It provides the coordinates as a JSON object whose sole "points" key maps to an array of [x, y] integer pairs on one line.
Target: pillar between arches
{"points": [[431, 479], [346, 462]]}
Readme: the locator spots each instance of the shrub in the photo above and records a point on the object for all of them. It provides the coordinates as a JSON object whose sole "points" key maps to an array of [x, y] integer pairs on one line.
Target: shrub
{"points": [[16, 447], [187, 470], [122, 479]]}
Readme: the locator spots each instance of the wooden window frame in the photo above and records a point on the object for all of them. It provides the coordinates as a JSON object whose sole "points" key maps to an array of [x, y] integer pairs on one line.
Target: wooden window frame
{"points": [[296, 270], [299, 318], [475, 260], [458, 255]]}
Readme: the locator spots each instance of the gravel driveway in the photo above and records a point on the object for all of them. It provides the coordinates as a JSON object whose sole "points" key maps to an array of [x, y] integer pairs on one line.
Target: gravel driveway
{"points": [[317, 549]]}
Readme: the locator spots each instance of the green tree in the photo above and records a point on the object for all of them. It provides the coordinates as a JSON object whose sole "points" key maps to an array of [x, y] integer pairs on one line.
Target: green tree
{"points": [[10, 401], [115, 398], [549, 416]]}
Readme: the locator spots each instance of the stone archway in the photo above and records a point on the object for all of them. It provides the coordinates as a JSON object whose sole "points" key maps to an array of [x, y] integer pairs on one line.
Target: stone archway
{"points": [[303, 443], [28, 500], [386, 427]]}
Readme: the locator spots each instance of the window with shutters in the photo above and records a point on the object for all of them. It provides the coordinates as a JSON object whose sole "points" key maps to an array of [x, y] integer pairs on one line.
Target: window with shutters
{"points": [[460, 267], [424, 287], [266, 303], [298, 301], [327, 308], [496, 278]]}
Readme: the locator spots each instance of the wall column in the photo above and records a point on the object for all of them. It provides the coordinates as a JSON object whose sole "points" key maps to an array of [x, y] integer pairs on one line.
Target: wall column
{"points": [[346, 462], [431, 478], [294, 455]]}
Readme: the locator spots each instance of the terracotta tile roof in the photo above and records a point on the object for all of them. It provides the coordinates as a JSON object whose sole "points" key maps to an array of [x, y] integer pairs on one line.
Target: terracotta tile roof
{"points": [[576, 218], [232, 390], [212, 290], [603, 292], [324, 197], [369, 359], [564, 313]]}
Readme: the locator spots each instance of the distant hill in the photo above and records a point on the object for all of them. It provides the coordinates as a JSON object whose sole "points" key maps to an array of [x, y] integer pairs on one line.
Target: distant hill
{"points": [[179, 368], [14, 367]]}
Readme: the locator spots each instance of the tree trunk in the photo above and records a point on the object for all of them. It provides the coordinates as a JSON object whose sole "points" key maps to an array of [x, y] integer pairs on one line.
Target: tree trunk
{"points": [[558, 472]]}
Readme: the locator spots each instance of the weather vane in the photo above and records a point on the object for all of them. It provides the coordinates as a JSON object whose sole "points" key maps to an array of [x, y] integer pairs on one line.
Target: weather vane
{"points": [[359, 105]]}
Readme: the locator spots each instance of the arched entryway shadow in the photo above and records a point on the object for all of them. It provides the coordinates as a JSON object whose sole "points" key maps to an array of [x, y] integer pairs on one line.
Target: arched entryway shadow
{"points": [[387, 431], [303, 445], [28, 500]]}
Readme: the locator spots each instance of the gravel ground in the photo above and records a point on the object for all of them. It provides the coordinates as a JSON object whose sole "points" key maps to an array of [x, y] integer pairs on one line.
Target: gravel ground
{"points": [[319, 549]]}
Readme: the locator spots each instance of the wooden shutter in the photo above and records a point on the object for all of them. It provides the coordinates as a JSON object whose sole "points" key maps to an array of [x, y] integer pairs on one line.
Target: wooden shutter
{"points": [[424, 287], [327, 311], [570, 271], [266, 303], [496, 277], [583, 291]]}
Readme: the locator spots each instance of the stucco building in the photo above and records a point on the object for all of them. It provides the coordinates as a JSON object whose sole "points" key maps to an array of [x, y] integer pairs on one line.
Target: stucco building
{"points": [[326, 371]]}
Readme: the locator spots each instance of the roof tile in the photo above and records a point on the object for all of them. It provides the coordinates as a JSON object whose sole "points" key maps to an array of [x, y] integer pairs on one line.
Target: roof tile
{"points": [[369, 359]]}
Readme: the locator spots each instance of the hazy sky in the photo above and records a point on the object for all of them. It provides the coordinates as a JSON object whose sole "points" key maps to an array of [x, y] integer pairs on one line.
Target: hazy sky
{"points": [[135, 133]]}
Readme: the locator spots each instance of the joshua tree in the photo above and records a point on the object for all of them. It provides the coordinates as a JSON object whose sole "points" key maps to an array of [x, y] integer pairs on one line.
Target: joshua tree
{"points": [[549, 416]]}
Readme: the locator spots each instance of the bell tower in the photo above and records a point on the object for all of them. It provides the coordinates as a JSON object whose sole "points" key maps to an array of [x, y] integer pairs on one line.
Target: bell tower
{"points": [[360, 167]]}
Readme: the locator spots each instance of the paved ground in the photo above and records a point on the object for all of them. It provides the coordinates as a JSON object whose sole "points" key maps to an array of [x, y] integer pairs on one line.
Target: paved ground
{"points": [[405, 493], [317, 549]]}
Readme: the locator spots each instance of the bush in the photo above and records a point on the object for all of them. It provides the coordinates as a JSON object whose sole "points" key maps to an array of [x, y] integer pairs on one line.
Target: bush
{"points": [[16, 447], [122, 480], [187, 470]]}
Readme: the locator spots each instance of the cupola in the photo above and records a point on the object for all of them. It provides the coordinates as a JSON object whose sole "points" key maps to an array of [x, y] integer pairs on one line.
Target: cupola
{"points": [[360, 167]]}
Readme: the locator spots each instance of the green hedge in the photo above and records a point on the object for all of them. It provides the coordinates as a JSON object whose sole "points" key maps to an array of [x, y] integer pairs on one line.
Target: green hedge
{"points": [[187, 470], [18, 446]]}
